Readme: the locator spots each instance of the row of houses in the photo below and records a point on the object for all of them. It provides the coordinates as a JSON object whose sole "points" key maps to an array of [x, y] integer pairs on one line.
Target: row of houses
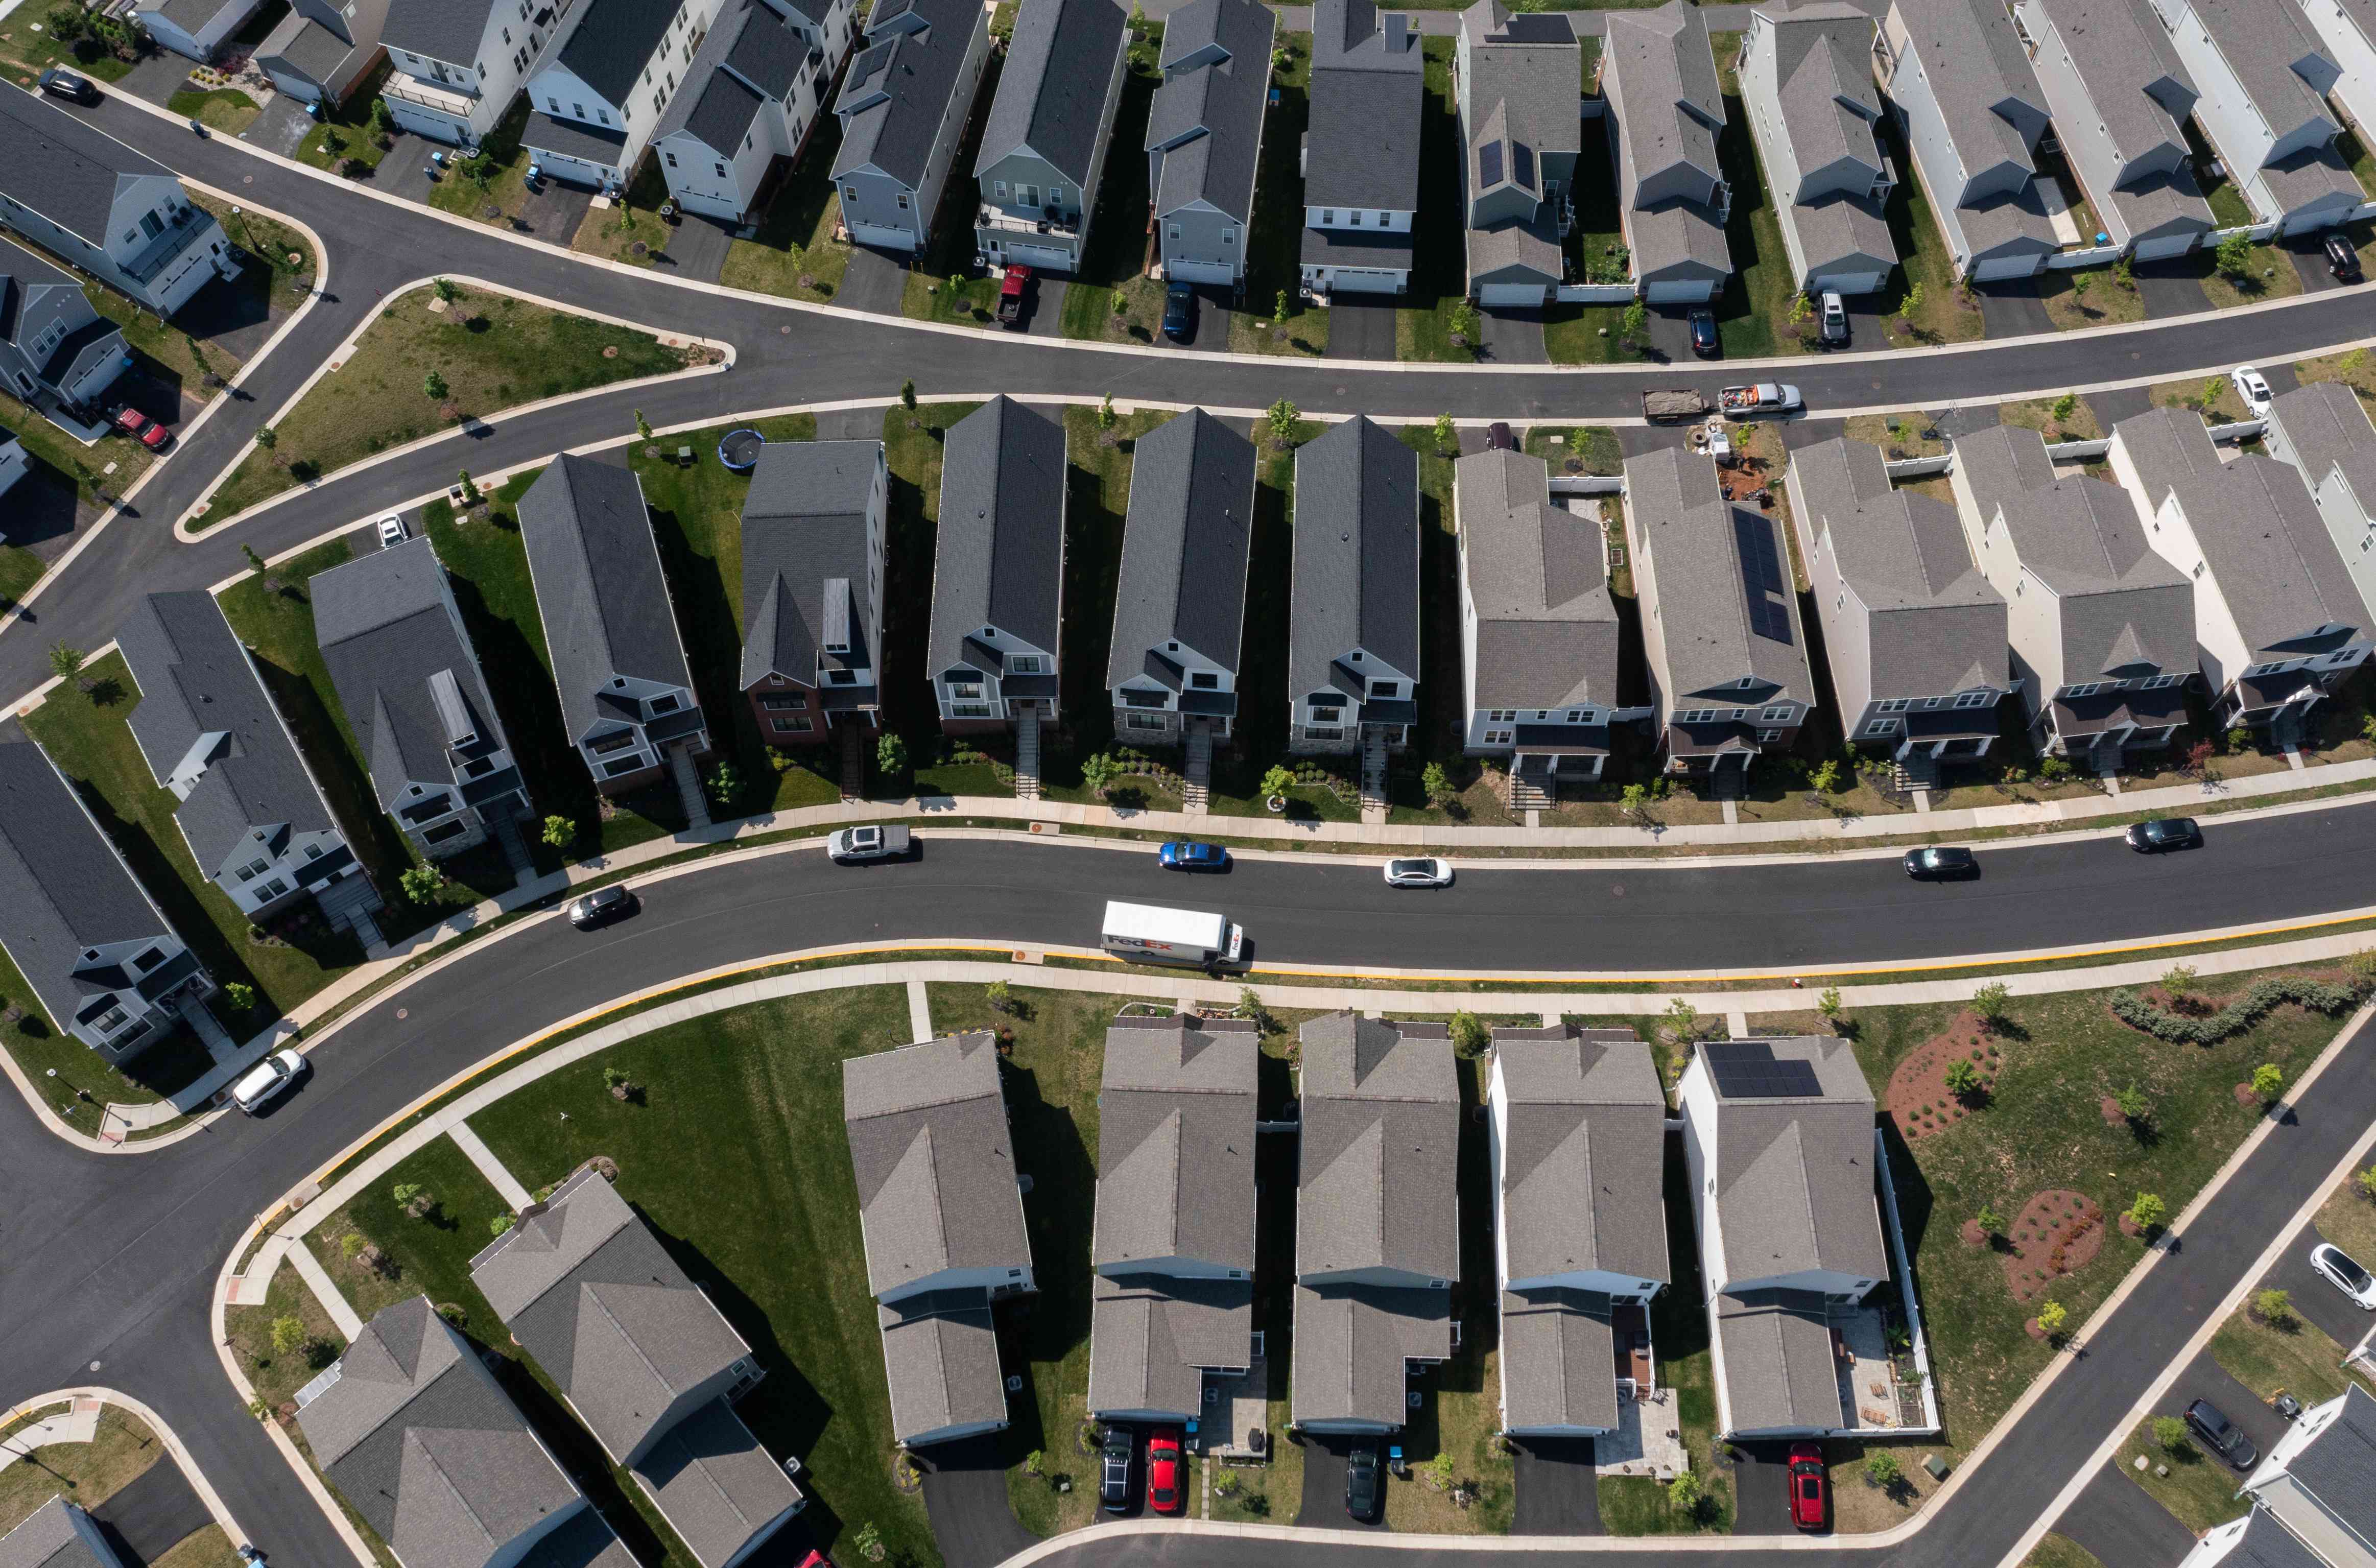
{"points": [[2312, 1495]]}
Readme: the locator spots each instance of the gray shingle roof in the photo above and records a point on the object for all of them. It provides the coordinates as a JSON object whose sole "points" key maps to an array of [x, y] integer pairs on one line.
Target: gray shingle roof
{"points": [[1795, 1181], [2266, 1543], [574, 138], [2120, 51], [1973, 61], [1000, 561], [752, 50], [307, 47], [2327, 429], [1051, 94], [1779, 1370], [1151, 1337], [1659, 73], [63, 167], [1559, 1361], [50, 1539], [1538, 573], [935, 1161], [918, 71], [1356, 571], [599, 585], [1185, 546], [715, 1485], [1351, 1347], [1583, 1154], [450, 30], [37, 298], [1380, 1146], [1367, 86], [1176, 1142], [2337, 1464], [940, 1353], [583, 1540], [1220, 104], [1822, 61], [611, 41], [1725, 608], [2264, 44], [804, 528], [1529, 66]]}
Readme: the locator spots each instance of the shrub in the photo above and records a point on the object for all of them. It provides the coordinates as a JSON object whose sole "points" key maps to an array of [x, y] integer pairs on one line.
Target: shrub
{"points": [[1445, 435], [2147, 1213], [444, 288], [1000, 997], [2268, 1080], [1686, 1492], [2235, 255], [890, 754], [1681, 1018], [351, 1244], [2065, 405], [1827, 1002], [1106, 415], [1963, 1079], [239, 997], [266, 436], [869, 1541], [433, 387], [2133, 1104], [1989, 1220], [1282, 417], [1432, 779], [287, 1334], [2263, 997], [65, 662], [2179, 979], [1990, 1000], [2366, 1184], [499, 1224], [2274, 1307], [1277, 781], [725, 785], [1826, 778], [2170, 1432], [1881, 1468], [422, 884], [906, 401], [1250, 1005], [1470, 1036], [643, 426], [2051, 1318], [614, 1078], [471, 495], [1098, 771], [560, 832]]}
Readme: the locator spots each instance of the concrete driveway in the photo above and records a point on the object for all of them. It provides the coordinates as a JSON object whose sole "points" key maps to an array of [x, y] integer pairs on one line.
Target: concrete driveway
{"points": [[1558, 1490], [1361, 327]]}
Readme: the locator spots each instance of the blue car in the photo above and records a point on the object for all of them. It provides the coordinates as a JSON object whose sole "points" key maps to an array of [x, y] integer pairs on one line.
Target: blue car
{"points": [[1183, 855]]}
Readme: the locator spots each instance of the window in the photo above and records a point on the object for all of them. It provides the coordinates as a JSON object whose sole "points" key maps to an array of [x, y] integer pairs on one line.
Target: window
{"points": [[1055, 195], [800, 725], [1137, 721], [616, 740], [1578, 715], [1929, 703], [313, 851], [2158, 682], [1175, 230], [998, 189], [842, 677], [1357, 220], [1974, 699], [971, 710], [1894, 705], [849, 193], [625, 765], [2087, 689], [273, 889], [965, 690], [1229, 236], [1767, 737], [1205, 681], [252, 869], [1500, 737], [1882, 727], [149, 960], [1023, 664], [507, 38], [1327, 215], [656, 102], [1779, 714], [112, 1020], [722, 170], [1385, 688], [1502, 715], [671, 158], [1325, 734], [1327, 715], [1385, 220], [554, 102], [603, 116], [662, 705], [903, 201]]}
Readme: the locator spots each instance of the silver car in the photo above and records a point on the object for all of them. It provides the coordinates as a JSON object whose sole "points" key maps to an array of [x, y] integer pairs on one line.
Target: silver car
{"points": [[1419, 874], [1832, 320]]}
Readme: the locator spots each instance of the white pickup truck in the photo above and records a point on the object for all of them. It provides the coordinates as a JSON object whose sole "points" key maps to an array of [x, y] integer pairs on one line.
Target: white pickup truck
{"points": [[1762, 398], [867, 844]]}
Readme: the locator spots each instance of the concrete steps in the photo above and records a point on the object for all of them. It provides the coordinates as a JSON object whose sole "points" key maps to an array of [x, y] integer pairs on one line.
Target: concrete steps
{"points": [[1027, 754], [853, 763], [1196, 798], [688, 787]]}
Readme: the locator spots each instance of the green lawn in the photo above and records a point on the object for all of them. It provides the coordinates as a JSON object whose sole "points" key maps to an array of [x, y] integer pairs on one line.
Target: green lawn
{"points": [[1593, 447], [1754, 313], [501, 163], [1437, 307], [86, 1474], [224, 109], [346, 136], [2061, 1551], [2227, 207], [1574, 334], [279, 1374], [631, 229], [942, 285], [794, 253], [2287, 1353], [1274, 240], [2199, 1490], [1946, 314], [26, 54], [1116, 257]]}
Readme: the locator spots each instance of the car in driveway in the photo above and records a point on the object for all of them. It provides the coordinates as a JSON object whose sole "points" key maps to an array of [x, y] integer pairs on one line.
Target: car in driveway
{"points": [[1362, 1483], [1187, 854], [68, 86], [1811, 1487], [1500, 438], [1014, 296], [1113, 1470], [1178, 311], [1163, 1488], [1424, 873], [2163, 834], [2253, 389], [600, 907], [1831, 321], [2342, 260], [1704, 341], [149, 433], [1942, 862], [391, 531], [2221, 1435], [268, 1081], [2342, 1270]]}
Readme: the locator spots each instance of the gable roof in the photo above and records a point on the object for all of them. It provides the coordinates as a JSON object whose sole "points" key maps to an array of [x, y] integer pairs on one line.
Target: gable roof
{"points": [[64, 167], [1973, 61], [1780, 1371], [713, 1482], [596, 567], [1538, 575], [450, 30], [1218, 104], [1795, 1178], [1559, 1360], [1528, 68], [1176, 1142], [1659, 73], [1352, 1344], [36, 298], [940, 1356], [1379, 1148], [2327, 429], [1186, 543], [751, 54], [1725, 605], [1051, 93], [805, 526], [1362, 147], [1583, 1154], [999, 560], [1152, 1337], [611, 41], [1356, 554], [2336, 1465], [54, 1537], [2264, 44], [934, 1160], [1824, 81], [903, 77], [2121, 51]]}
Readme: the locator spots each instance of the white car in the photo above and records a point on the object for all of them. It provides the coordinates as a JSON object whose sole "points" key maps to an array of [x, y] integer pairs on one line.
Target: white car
{"points": [[2338, 1269], [2253, 389], [391, 531], [1419, 874], [266, 1081]]}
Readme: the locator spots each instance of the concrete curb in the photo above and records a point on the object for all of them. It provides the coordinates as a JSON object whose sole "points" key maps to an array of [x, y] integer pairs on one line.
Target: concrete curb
{"points": [[165, 1434]]}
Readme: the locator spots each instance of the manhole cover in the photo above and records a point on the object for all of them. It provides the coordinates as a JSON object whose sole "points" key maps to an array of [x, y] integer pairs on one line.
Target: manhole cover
{"points": [[247, 179], [403, 1012], [786, 331]]}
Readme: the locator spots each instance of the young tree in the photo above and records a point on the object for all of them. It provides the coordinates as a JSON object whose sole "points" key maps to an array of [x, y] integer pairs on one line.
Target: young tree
{"points": [[1686, 1492], [2133, 1105], [1882, 1468], [1120, 302], [1990, 1000], [445, 290], [724, 784], [908, 394], [1826, 778], [1911, 306], [890, 755], [1250, 1005], [239, 997], [2268, 1081], [1682, 1017], [1963, 1078], [2170, 1434], [1432, 779], [65, 662], [1000, 997], [643, 426], [266, 436], [1802, 309], [432, 387], [288, 1334], [470, 493], [2051, 1317], [2147, 1213], [1445, 435], [1098, 771], [2080, 283], [423, 883], [560, 832], [1106, 415], [2213, 390], [1989, 1220], [1633, 799], [2066, 404], [2235, 255], [2273, 1306], [1277, 781], [254, 561], [1469, 1034], [1282, 417], [2179, 979], [1278, 310], [1636, 319], [1827, 1002]]}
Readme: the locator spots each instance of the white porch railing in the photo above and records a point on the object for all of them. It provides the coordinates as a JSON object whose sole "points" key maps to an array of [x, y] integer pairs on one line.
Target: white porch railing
{"points": [[1931, 1422], [2093, 255], [1588, 484], [1920, 467]]}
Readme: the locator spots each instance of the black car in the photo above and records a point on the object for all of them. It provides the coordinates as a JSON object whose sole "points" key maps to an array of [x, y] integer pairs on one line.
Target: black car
{"points": [[2341, 259], [2165, 833], [1498, 437], [602, 907], [2221, 1435], [1178, 311], [66, 85], [1704, 338], [1362, 1484], [1113, 1471], [1940, 863]]}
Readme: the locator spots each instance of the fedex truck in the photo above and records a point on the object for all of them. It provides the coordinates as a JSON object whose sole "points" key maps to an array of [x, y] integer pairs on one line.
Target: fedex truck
{"points": [[1146, 934]]}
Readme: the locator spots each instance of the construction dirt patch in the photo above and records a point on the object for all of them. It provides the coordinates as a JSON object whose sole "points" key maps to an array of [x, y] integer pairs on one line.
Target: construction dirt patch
{"points": [[1919, 1100], [2057, 1232]]}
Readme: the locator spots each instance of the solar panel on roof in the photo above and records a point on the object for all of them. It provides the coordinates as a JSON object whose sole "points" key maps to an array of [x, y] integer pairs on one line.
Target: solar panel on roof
{"points": [[1749, 1070], [1761, 576], [1523, 157], [1489, 163]]}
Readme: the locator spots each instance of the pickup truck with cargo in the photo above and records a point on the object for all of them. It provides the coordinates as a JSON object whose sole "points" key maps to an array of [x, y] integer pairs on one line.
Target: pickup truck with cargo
{"points": [[868, 844], [1765, 398]]}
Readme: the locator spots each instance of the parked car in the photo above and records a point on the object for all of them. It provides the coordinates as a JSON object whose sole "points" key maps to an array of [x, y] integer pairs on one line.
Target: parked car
{"points": [[2342, 1271], [1498, 437], [600, 907], [1113, 1470], [68, 86], [2221, 1435], [1163, 1472], [1705, 342], [2165, 833], [1178, 311], [1940, 863], [266, 1081], [1013, 292], [149, 433], [867, 844], [391, 531], [1186, 854], [1419, 874], [1362, 1483], [2253, 389], [2342, 260], [1811, 1487], [816, 1559], [1831, 318]]}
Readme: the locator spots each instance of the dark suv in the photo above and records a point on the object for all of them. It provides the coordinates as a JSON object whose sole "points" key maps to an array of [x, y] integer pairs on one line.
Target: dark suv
{"points": [[1178, 311], [2165, 833], [2341, 259], [1113, 1470], [2221, 1435], [1362, 1483]]}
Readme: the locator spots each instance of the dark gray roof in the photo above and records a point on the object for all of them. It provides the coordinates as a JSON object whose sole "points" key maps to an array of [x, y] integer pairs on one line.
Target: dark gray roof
{"points": [[1583, 1154], [1380, 1146], [1352, 1344], [999, 560], [909, 76], [720, 115], [36, 298], [804, 529], [1538, 575], [1052, 92], [1795, 1180], [1823, 63], [2266, 1543], [583, 1540], [307, 47], [64, 167], [611, 41], [50, 1539], [574, 138], [751, 54], [1356, 247], [2336, 1465], [716, 1486], [934, 1160], [2326, 429], [940, 1354], [450, 30], [1185, 545], [1368, 83], [1529, 66], [1659, 74], [1559, 1361], [2122, 52], [2264, 44], [1355, 571], [598, 586], [1151, 1337], [196, 680], [1973, 61], [1219, 103], [1176, 1142], [1780, 1372], [1722, 605]]}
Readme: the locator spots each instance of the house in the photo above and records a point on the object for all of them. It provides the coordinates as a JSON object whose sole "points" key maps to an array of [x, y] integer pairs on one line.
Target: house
{"points": [[195, 28], [2264, 75], [599, 94], [1517, 78], [2347, 29], [14, 465], [998, 579], [1971, 112], [1044, 148], [95, 204], [1806, 79], [456, 65], [1174, 1240], [940, 1208], [1778, 1137], [103, 960], [1377, 1218], [1353, 660], [418, 703], [903, 107], [320, 49], [752, 95], [1665, 110], [2256, 1540], [1537, 629], [2278, 620], [643, 1360], [2321, 429], [1360, 152], [56, 351], [813, 525], [1204, 136], [421, 1442], [1915, 634], [59, 1534], [626, 692], [1179, 602], [2317, 1482], [1728, 673], [252, 813], [2102, 628], [2121, 98]]}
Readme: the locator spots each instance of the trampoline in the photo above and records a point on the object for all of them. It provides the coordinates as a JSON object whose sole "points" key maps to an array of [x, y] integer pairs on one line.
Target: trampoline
{"points": [[739, 453]]}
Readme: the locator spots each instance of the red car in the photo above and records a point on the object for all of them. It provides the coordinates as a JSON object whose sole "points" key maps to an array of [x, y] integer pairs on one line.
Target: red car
{"points": [[132, 421], [1011, 292], [1811, 1488], [1163, 1472]]}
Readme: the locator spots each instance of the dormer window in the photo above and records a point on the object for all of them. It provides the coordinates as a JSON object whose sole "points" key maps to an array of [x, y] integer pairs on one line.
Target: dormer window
{"points": [[1023, 664], [662, 705]]}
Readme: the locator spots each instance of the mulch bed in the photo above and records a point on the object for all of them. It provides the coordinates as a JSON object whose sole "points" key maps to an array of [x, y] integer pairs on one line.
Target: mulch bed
{"points": [[1918, 1100], [2057, 1232], [2113, 1115]]}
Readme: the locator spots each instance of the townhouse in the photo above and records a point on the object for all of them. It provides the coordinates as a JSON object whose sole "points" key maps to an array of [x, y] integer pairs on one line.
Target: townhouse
{"points": [[1173, 1245], [1806, 79], [1576, 1128], [1360, 152], [1667, 110], [402, 664], [1727, 658], [1972, 113], [1539, 633], [2102, 629], [596, 97], [1915, 634], [2321, 429], [903, 109], [1180, 594], [2277, 620], [751, 94], [1377, 1219], [320, 49], [2313, 1494], [195, 28], [1044, 148], [1516, 78], [998, 575], [2347, 29], [58, 355], [95, 204], [812, 524], [2264, 76], [626, 692], [1204, 136], [1353, 655], [457, 64], [2256, 1540], [2121, 98]]}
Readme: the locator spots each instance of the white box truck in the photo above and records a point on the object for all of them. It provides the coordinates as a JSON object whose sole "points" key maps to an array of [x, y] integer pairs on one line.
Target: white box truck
{"points": [[1146, 934]]}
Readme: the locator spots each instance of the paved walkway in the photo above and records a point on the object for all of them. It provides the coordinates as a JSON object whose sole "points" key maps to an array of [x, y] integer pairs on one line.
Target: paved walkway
{"points": [[325, 1290], [920, 1011], [77, 1423], [498, 1175]]}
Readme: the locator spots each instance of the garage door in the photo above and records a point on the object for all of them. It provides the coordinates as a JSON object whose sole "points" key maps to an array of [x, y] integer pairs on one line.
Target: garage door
{"points": [[420, 122], [1363, 280], [882, 235], [2162, 249], [2005, 267], [1520, 295], [1047, 256], [1688, 292], [295, 86], [1847, 283], [1201, 272], [576, 171]]}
